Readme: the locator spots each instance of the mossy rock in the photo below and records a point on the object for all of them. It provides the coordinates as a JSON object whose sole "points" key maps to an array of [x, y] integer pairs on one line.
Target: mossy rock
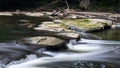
{"points": [[87, 24], [57, 30], [53, 27]]}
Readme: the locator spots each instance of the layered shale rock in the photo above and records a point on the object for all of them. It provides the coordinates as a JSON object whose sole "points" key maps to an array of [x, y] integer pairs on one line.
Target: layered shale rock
{"points": [[57, 30]]}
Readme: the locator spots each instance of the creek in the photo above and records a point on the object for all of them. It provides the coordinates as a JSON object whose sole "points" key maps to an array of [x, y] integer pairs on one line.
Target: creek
{"points": [[94, 50]]}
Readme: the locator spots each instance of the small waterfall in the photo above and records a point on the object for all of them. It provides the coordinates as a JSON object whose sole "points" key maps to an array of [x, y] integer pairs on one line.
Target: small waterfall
{"points": [[83, 50], [13, 51], [100, 56], [86, 45], [96, 52]]}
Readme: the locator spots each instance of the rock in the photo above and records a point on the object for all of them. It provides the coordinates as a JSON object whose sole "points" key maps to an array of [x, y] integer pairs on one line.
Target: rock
{"points": [[48, 13], [13, 51], [57, 30], [81, 16], [44, 41], [102, 21], [69, 36], [86, 25], [58, 21], [5, 14], [36, 14], [116, 26], [25, 23], [72, 16], [51, 26]]}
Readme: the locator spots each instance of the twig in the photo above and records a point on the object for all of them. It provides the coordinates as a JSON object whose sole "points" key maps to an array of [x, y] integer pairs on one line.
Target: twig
{"points": [[67, 4]]}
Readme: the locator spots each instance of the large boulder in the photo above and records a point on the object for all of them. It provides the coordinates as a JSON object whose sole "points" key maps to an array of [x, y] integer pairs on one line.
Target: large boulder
{"points": [[86, 25], [45, 41]]}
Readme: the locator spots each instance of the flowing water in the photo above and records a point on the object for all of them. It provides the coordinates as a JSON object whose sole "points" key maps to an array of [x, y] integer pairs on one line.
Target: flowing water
{"points": [[94, 50]]}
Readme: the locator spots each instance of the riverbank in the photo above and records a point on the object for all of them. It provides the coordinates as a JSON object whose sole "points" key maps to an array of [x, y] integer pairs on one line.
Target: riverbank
{"points": [[111, 16], [114, 18], [47, 39]]}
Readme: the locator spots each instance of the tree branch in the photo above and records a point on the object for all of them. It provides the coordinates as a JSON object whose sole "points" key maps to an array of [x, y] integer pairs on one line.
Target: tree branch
{"points": [[67, 4], [49, 4]]}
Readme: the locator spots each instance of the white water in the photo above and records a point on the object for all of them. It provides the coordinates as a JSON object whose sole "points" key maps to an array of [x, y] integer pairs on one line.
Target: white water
{"points": [[98, 50], [88, 41]]}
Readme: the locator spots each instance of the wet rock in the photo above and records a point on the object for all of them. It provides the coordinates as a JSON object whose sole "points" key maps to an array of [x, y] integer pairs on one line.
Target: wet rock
{"points": [[72, 16], [36, 14], [116, 26], [68, 36], [57, 30], [86, 25], [48, 13], [12, 51], [25, 23], [5, 14], [43, 41]]}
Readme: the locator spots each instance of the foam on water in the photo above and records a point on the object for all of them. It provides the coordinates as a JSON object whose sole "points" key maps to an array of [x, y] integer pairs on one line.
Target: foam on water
{"points": [[93, 56], [88, 41], [100, 53]]}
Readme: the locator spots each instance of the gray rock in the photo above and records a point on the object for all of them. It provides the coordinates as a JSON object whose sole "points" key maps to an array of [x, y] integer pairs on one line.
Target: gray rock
{"points": [[25, 23], [57, 30], [86, 25], [36, 14], [115, 26], [43, 41]]}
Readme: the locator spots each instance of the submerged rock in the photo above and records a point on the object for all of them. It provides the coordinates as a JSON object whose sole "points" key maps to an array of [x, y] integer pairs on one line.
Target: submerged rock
{"points": [[25, 23], [13, 51], [86, 25]]}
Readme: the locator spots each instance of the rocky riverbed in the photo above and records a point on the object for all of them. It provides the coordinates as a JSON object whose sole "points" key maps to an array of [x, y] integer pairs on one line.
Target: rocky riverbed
{"points": [[64, 29], [52, 35]]}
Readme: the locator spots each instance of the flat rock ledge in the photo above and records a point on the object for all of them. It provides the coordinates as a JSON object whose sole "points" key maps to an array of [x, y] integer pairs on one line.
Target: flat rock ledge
{"points": [[56, 30], [86, 25], [50, 34]]}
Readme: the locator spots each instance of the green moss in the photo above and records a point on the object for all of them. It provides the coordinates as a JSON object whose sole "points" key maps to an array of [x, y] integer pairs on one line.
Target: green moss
{"points": [[84, 24], [64, 26], [77, 20], [53, 25]]}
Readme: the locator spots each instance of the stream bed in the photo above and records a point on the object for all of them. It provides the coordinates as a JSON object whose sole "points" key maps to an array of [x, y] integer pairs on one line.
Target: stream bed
{"points": [[89, 52]]}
